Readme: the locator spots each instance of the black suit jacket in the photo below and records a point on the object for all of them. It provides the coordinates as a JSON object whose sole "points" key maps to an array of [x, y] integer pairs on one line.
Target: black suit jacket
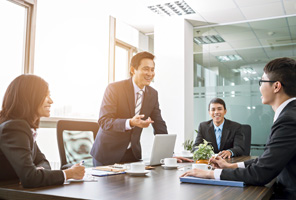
{"points": [[278, 159], [232, 136], [20, 155], [117, 106]]}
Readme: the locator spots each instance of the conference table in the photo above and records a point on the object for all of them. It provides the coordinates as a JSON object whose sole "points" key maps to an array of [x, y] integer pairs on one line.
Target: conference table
{"points": [[157, 184]]}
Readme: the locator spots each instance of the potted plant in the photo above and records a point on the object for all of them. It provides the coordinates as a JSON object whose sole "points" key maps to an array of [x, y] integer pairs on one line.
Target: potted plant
{"points": [[188, 147], [203, 153]]}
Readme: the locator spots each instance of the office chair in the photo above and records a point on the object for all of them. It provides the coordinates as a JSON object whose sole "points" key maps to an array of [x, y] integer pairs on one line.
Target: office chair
{"points": [[75, 140], [246, 129]]}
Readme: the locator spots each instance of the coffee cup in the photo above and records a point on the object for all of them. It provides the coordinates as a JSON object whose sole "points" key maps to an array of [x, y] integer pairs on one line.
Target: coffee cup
{"points": [[201, 166], [169, 161], [137, 167]]}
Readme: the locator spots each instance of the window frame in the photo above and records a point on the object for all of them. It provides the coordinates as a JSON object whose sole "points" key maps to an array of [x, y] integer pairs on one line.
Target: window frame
{"points": [[29, 46]]}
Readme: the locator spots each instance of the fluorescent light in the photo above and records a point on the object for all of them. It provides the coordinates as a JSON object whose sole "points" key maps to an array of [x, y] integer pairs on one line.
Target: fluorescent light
{"points": [[228, 58], [172, 8], [209, 39]]}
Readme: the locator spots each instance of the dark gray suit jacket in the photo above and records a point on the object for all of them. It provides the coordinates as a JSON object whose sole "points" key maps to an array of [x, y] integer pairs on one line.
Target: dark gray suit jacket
{"points": [[20, 155], [278, 159], [232, 136], [117, 106]]}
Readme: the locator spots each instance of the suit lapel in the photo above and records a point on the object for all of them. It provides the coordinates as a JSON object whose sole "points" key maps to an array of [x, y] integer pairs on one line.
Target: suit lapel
{"points": [[212, 136], [130, 95], [225, 133]]}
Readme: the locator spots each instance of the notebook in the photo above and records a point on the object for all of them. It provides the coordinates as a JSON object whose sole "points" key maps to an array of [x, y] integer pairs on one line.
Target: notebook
{"points": [[163, 147], [189, 179]]}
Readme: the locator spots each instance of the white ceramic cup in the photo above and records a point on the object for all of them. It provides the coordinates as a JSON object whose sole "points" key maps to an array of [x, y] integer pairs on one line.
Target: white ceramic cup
{"points": [[201, 166], [137, 167], [169, 161]]}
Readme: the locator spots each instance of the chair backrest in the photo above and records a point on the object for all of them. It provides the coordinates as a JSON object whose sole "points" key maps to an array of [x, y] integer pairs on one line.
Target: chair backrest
{"points": [[75, 139], [246, 129]]}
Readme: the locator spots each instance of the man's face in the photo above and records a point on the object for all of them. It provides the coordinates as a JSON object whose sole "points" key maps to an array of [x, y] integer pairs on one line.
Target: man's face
{"points": [[144, 74], [266, 90], [217, 113]]}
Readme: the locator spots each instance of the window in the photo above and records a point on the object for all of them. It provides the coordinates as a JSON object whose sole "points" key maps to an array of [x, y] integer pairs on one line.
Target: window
{"points": [[16, 39], [72, 56]]}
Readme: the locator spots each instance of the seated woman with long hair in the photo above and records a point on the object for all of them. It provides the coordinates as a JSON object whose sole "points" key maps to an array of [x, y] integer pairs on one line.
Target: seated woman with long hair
{"points": [[27, 99]]}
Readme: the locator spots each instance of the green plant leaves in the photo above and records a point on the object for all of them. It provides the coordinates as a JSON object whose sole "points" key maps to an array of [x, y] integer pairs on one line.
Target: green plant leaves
{"points": [[188, 145], [204, 151]]}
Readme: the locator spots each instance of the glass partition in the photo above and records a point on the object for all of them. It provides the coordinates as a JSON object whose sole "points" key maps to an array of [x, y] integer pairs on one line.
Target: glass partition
{"points": [[229, 61]]}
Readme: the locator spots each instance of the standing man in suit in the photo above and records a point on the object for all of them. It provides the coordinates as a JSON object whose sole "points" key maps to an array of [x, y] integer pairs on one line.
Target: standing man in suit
{"points": [[128, 106], [224, 135], [278, 90]]}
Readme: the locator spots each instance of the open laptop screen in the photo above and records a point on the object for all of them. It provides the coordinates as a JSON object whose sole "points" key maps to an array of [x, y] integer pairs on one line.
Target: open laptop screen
{"points": [[163, 147]]}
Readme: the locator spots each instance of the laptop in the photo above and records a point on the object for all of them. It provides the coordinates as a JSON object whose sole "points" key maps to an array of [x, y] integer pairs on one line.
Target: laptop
{"points": [[163, 147]]}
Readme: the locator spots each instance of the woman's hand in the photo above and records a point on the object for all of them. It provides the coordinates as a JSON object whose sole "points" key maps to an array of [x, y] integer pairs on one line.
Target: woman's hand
{"points": [[76, 171]]}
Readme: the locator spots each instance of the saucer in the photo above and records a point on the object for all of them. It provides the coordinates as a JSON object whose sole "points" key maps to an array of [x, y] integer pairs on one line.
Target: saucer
{"points": [[137, 173], [170, 166]]}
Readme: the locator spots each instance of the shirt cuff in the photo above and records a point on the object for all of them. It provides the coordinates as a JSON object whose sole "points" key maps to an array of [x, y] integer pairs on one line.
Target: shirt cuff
{"points": [[217, 174], [232, 154], [65, 177], [127, 125], [241, 165]]}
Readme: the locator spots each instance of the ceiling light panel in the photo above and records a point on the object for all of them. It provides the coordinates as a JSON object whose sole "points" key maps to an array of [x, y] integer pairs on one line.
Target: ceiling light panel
{"points": [[229, 58], [209, 39], [172, 9]]}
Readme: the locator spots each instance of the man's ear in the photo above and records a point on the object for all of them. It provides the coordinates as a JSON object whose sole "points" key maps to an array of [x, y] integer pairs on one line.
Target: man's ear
{"points": [[132, 70], [277, 86]]}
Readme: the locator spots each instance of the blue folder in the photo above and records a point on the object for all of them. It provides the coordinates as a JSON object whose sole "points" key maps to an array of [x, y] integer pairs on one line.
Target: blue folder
{"points": [[189, 179]]}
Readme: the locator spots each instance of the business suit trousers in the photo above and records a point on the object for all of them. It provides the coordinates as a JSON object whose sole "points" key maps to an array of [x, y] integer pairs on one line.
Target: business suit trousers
{"points": [[128, 157]]}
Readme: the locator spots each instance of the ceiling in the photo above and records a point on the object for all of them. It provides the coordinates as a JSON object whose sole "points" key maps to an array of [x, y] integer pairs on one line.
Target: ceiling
{"points": [[136, 13], [257, 30]]}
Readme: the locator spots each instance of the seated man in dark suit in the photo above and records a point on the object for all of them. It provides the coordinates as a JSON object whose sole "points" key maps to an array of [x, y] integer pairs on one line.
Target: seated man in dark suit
{"points": [[278, 160], [224, 135]]}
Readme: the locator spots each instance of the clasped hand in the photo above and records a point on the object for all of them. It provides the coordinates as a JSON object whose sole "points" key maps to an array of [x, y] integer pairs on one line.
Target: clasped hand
{"points": [[217, 162], [137, 121]]}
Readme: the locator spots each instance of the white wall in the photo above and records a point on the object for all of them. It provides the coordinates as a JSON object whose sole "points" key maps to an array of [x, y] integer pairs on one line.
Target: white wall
{"points": [[173, 48]]}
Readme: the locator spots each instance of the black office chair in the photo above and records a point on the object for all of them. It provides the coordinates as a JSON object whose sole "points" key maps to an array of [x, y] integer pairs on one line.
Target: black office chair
{"points": [[246, 129], [75, 140]]}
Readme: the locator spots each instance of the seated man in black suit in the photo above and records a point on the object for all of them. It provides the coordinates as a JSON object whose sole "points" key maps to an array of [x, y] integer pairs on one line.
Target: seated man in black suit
{"points": [[224, 135], [278, 160]]}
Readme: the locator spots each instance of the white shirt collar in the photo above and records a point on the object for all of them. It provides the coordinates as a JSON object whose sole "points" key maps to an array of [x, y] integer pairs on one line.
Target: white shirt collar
{"points": [[281, 107], [136, 88], [34, 133], [221, 126]]}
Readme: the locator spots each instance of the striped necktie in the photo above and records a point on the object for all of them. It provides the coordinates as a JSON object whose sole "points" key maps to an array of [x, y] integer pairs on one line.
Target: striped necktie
{"points": [[139, 102]]}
